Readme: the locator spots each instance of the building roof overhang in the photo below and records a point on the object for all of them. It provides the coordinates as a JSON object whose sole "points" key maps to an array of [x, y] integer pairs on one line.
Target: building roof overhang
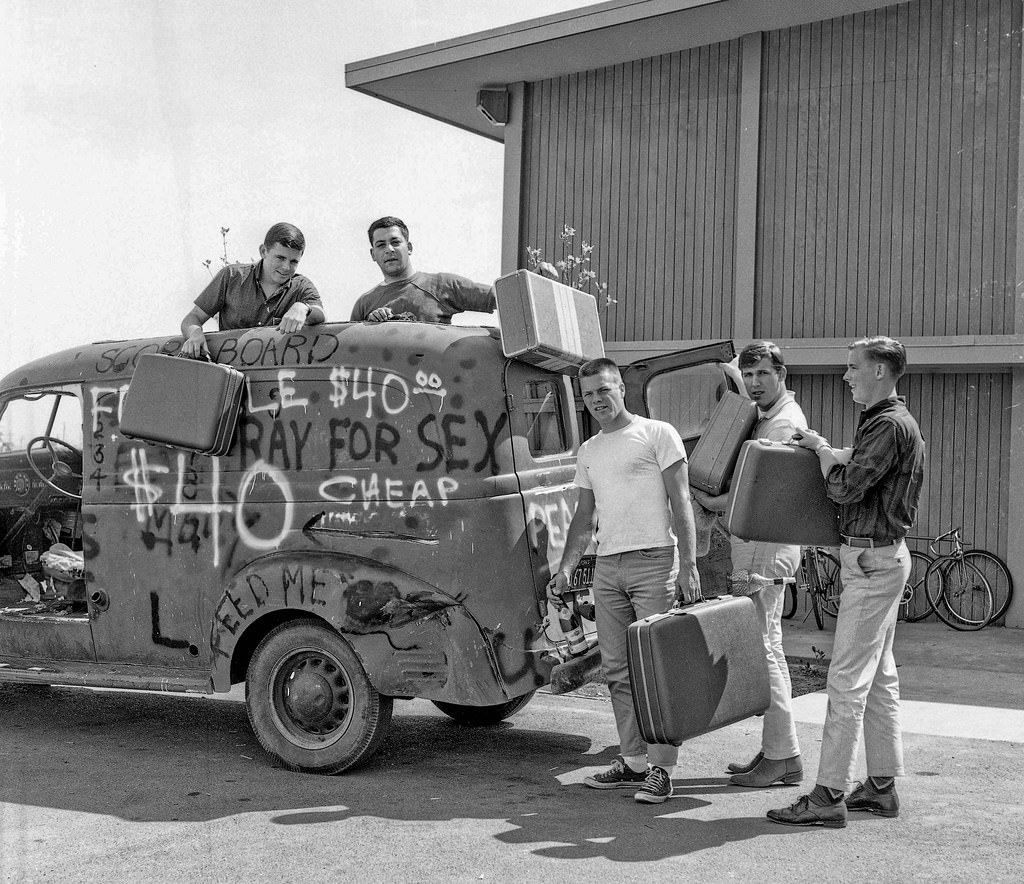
{"points": [[441, 80]]}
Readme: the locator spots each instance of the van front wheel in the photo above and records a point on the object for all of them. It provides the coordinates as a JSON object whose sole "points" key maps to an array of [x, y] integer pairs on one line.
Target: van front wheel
{"points": [[479, 716], [309, 700]]}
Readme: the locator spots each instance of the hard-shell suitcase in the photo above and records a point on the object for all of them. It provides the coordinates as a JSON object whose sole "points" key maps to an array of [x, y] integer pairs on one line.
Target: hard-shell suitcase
{"points": [[713, 460], [185, 403], [546, 323], [696, 669], [778, 496]]}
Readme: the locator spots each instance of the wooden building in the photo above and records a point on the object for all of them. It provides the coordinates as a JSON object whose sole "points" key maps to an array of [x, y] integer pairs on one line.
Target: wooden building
{"points": [[800, 170]]}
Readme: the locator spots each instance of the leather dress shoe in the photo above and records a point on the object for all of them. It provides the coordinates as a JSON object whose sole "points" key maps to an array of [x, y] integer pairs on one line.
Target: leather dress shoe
{"points": [[804, 812], [737, 767], [770, 772], [866, 797]]}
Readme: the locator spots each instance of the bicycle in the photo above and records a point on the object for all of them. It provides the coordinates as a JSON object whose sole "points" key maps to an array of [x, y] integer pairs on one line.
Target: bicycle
{"points": [[967, 589], [914, 604], [818, 576]]}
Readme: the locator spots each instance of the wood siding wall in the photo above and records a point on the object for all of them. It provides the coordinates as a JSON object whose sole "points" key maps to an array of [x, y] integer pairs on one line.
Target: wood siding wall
{"points": [[888, 167], [887, 202], [640, 159]]}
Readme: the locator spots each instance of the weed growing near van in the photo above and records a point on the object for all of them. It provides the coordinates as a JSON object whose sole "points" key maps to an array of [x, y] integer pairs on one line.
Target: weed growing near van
{"points": [[224, 251], [573, 269]]}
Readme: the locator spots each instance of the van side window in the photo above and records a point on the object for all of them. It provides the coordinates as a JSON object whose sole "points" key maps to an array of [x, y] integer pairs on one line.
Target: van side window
{"points": [[685, 397], [545, 419]]}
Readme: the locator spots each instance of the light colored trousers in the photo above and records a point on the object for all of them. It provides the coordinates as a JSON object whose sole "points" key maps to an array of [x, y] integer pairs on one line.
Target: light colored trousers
{"points": [[628, 587], [778, 735], [863, 687]]}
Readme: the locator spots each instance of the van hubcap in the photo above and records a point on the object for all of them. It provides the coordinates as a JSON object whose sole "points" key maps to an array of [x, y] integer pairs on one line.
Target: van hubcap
{"points": [[313, 695]]}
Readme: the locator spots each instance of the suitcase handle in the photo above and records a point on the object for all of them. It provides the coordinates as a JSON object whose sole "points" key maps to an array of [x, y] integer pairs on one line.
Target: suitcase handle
{"points": [[202, 357]]}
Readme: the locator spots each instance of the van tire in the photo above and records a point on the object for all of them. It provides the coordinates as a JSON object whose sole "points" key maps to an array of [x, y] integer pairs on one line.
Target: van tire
{"points": [[310, 703], [481, 716]]}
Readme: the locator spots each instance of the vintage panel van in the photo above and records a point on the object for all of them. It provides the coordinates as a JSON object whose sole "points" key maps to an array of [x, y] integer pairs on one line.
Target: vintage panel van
{"points": [[382, 527]]}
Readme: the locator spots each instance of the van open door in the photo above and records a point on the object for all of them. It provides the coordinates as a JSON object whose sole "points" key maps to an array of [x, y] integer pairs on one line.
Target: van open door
{"points": [[681, 388]]}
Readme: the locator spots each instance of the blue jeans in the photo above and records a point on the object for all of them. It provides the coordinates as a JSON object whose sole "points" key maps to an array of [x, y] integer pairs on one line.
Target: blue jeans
{"points": [[628, 587], [863, 687]]}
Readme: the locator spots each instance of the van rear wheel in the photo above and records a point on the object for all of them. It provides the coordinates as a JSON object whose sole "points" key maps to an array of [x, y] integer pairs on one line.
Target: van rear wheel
{"points": [[480, 716], [309, 700]]}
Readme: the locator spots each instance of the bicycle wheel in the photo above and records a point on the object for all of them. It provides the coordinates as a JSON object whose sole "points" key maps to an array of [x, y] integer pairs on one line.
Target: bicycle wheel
{"points": [[813, 576], [831, 584], [789, 603], [914, 605], [998, 577], [964, 599]]}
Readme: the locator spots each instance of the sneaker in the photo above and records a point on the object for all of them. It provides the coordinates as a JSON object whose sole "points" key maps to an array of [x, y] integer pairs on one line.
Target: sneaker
{"points": [[657, 787], [807, 812], [884, 802], [619, 776]]}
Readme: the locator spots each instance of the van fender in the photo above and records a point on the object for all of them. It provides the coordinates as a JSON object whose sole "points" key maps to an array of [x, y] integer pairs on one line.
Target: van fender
{"points": [[412, 638]]}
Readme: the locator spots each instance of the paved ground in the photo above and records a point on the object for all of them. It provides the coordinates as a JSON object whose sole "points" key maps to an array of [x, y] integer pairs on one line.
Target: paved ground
{"points": [[113, 787]]}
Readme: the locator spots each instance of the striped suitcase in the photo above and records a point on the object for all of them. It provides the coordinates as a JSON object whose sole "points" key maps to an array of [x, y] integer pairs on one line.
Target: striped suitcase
{"points": [[696, 669], [183, 403], [546, 323]]}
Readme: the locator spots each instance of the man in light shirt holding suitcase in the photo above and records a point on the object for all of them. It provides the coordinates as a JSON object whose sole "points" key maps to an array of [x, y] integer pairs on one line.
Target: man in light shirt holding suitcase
{"points": [[632, 479], [779, 418], [877, 487]]}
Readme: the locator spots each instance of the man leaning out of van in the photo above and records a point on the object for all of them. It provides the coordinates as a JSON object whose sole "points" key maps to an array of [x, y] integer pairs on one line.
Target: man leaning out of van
{"points": [[253, 295]]}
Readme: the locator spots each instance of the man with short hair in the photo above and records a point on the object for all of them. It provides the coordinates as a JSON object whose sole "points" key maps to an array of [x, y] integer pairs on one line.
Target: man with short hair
{"points": [[877, 485], [409, 294], [253, 295], [763, 372], [632, 480]]}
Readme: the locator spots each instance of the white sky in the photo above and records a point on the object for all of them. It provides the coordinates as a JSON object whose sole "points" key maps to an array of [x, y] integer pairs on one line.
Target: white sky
{"points": [[131, 131]]}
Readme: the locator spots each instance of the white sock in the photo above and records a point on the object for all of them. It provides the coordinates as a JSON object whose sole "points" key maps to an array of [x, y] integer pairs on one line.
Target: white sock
{"points": [[636, 763]]}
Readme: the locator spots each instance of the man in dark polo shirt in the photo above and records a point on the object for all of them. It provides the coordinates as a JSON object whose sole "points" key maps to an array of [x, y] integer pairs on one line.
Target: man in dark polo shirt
{"points": [[877, 485], [252, 295]]}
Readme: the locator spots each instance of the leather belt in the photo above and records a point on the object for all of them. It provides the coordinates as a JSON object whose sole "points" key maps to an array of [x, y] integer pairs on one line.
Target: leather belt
{"points": [[865, 542]]}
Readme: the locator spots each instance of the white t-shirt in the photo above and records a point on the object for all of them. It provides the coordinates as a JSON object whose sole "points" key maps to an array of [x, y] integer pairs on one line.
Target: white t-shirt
{"points": [[623, 468]]}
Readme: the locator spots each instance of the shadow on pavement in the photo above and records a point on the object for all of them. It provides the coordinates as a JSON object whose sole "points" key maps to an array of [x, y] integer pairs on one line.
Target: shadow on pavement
{"points": [[151, 757]]}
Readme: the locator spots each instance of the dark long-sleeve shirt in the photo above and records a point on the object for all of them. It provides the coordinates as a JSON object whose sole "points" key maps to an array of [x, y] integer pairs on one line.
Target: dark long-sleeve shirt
{"points": [[879, 489]]}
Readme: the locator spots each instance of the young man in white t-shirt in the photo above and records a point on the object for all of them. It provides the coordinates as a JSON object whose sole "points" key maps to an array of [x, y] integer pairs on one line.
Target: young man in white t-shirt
{"points": [[632, 480]]}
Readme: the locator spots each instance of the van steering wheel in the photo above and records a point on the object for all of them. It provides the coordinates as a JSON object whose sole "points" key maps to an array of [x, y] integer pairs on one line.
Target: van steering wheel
{"points": [[58, 469]]}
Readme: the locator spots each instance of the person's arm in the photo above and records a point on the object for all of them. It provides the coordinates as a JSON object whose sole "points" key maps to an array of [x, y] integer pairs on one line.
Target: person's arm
{"points": [[581, 532], [717, 503], [817, 443], [194, 345], [307, 310], [678, 490], [465, 294], [298, 315]]}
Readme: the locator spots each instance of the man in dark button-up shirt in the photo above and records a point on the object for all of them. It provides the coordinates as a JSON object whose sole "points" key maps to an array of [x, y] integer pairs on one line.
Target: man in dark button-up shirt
{"points": [[252, 295], [877, 484]]}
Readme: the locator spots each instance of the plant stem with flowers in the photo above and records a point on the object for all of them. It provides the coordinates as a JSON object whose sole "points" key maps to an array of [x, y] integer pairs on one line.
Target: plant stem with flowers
{"points": [[573, 270]]}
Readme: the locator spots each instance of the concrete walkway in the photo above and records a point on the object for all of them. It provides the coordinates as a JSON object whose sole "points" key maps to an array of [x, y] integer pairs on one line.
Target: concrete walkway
{"points": [[956, 684]]}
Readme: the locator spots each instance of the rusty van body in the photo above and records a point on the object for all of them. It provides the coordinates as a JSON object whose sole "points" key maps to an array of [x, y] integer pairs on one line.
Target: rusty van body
{"points": [[382, 527]]}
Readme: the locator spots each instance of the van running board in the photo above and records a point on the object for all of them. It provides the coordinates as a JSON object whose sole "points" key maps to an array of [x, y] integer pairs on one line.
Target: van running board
{"points": [[103, 675]]}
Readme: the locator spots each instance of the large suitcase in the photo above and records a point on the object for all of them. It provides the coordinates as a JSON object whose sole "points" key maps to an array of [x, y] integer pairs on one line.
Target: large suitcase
{"points": [[714, 458], [546, 323], [778, 496], [696, 669], [184, 403]]}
